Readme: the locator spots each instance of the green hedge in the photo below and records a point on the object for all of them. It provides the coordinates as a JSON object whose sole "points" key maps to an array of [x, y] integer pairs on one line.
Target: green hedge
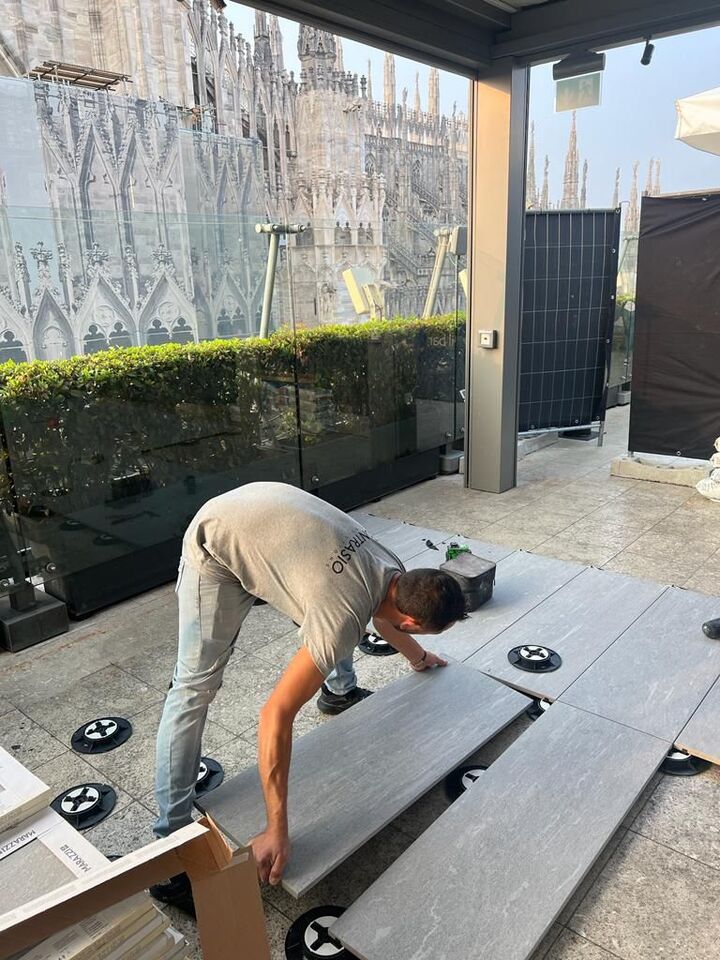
{"points": [[73, 425]]}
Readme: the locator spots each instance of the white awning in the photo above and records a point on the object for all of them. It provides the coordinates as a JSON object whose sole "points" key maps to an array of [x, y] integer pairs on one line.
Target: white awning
{"points": [[699, 121]]}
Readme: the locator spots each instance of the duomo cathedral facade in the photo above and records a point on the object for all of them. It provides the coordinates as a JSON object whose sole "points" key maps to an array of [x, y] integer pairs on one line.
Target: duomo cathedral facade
{"points": [[127, 214]]}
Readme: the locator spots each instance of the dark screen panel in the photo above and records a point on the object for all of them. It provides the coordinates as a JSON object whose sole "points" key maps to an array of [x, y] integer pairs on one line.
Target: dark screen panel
{"points": [[569, 285], [676, 367]]}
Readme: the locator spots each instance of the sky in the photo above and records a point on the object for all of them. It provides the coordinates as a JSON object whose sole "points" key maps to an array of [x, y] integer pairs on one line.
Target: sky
{"points": [[635, 121]]}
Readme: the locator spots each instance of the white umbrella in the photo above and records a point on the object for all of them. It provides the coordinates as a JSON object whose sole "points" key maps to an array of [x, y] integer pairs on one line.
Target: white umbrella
{"points": [[699, 121]]}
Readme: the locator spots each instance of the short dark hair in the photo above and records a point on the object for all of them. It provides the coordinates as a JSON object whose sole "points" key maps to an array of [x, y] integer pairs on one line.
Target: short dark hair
{"points": [[431, 597]]}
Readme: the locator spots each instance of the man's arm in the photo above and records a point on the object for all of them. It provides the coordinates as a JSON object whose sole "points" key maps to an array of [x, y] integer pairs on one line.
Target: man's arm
{"points": [[300, 681], [420, 659]]}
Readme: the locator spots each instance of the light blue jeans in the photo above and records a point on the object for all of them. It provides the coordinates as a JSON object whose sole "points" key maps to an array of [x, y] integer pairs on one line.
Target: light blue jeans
{"points": [[211, 613]]}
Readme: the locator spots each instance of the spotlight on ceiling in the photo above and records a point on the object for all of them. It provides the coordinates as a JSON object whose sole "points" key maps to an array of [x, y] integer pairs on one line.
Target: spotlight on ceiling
{"points": [[578, 64], [647, 53]]}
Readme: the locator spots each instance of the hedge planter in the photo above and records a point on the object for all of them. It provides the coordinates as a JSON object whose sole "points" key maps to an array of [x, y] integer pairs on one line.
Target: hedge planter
{"points": [[156, 431]]}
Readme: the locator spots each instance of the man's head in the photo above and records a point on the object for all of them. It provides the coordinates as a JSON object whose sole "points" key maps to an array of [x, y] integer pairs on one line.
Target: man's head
{"points": [[424, 601]]}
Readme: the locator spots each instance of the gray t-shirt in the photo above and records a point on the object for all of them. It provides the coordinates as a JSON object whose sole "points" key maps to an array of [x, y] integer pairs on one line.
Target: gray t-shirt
{"points": [[306, 558]]}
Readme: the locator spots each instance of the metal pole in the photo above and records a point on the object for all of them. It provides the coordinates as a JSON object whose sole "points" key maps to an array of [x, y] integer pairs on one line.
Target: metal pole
{"points": [[269, 283], [275, 230], [443, 235]]}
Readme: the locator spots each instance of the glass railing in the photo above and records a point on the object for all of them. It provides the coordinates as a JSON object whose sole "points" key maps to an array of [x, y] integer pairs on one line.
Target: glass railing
{"points": [[110, 457]]}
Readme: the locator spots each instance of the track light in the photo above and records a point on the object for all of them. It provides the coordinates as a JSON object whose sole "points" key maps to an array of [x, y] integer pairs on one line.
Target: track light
{"points": [[647, 53]]}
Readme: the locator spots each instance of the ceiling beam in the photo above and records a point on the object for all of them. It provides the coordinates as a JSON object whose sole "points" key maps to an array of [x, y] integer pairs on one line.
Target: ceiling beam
{"points": [[549, 30], [411, 29], [479, 11]]}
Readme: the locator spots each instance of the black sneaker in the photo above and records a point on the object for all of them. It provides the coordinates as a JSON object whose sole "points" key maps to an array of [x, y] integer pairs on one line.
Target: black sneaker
{"points": [[176, 892], [334, 703]]}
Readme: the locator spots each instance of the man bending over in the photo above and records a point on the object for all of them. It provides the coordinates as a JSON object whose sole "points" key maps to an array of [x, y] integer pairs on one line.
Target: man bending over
{"points": [[318, 566]]}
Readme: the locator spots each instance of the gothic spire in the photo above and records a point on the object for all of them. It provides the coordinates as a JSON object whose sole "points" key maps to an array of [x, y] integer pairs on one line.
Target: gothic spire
{"points": [[583, 193], [545, 194], [632, 220], [369, 81], [616, 193], [531, 200], [390, 89], [570, 198], [434, 92], [657, 189], [647, 192], [317, 54], [418, 104], [276, 43]]}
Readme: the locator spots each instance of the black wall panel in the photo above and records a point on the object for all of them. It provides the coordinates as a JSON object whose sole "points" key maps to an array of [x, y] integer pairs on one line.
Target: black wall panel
{"points": [[676, 365]]}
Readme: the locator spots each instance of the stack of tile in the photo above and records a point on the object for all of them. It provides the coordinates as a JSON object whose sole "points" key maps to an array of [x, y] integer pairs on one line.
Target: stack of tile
{"points": [[40, 852], [21, 793]]}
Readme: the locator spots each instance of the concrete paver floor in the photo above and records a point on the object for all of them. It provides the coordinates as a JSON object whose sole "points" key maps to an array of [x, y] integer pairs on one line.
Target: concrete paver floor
{"points": [[655, 889]]}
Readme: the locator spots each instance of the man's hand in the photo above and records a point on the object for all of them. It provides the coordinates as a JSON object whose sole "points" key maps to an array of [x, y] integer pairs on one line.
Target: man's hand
{"points": [[271, 851], [427, 661]]}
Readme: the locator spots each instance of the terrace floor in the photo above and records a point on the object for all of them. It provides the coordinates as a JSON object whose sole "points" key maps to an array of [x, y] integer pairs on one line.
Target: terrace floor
{"points": [[566, 505]]}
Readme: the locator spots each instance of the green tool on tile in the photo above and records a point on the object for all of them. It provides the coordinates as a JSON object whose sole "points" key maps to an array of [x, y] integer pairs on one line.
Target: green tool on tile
{"points": [[455, 549]]}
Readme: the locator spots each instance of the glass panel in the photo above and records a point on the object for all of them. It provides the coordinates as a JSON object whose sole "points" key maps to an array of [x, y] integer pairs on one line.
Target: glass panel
{"points": [[113, 458], [624, 327]]}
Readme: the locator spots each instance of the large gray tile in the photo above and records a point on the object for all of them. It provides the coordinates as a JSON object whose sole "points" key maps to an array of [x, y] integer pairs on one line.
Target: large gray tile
{"points": [[523, 580], [579, 622], [281, 650], [132, 765], [424, 812], [350, 879], [124, 830], [263, 625], [154, 666], [306, 720], [247, 683], [363, 768], [408, 540], [374, 525], [652, 902], [70, 769], [550, 938], [682, 813], [701, 735], [376, 672], [28, 742], [593, 873], [655, 676], [670, 570], [569, 946], [569, 780], [107, 692]]}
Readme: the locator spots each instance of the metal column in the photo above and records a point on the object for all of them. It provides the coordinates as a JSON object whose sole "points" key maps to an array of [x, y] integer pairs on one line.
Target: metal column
{"points": [[497, 211]]}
